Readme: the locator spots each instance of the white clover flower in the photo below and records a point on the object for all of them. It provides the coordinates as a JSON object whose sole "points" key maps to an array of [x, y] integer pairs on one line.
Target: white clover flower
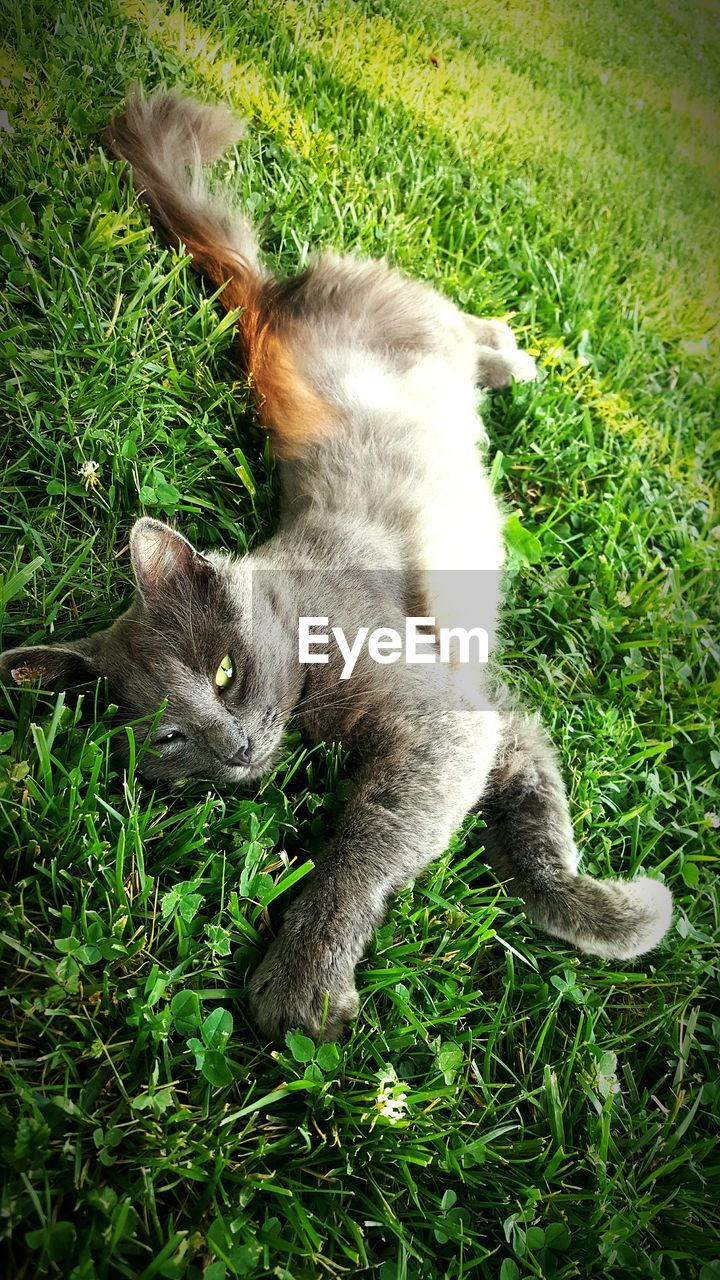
{"points": [[391, 1101], [605, 1075], [89, 473]]}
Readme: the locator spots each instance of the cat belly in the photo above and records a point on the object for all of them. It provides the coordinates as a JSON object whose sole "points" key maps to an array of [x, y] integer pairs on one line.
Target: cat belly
{"points": [[436, 431]]}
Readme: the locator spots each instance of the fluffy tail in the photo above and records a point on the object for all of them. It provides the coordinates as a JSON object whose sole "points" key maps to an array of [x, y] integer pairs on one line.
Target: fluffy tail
{"points": [[166, 139], [617, 919], [529, 840]]}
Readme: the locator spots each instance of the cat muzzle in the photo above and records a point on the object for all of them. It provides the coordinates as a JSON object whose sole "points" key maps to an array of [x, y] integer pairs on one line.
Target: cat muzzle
{"points": [[242, 756]]}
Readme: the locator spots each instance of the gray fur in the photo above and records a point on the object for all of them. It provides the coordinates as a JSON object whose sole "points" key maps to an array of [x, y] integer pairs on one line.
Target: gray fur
{"points": [[377, 504]]}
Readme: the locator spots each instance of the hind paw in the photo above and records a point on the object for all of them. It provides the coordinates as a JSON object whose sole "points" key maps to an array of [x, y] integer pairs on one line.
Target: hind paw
{"points": [[498, 368]]}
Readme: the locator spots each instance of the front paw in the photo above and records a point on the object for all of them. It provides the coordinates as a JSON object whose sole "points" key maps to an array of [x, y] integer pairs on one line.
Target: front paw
{"points": [[315, 993]]}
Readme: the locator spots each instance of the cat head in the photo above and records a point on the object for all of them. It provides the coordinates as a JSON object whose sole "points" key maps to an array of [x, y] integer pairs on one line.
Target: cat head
{"points": [[199, 636]]}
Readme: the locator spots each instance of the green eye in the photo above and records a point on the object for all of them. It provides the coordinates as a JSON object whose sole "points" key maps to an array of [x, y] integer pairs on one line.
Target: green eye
{"points": [[224, 673]]}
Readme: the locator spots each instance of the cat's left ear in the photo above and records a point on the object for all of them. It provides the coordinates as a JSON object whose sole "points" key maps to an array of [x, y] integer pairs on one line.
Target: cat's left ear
{"points": [[162, 558], [51, 664]]}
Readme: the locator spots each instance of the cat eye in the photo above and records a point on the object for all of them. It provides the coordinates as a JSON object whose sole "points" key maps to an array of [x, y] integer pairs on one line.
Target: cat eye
{"points": [[225, 673], [171, 735]]}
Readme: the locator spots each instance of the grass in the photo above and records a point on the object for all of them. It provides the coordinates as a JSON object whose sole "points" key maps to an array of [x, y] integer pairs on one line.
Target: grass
{"points": [[553, 164]]}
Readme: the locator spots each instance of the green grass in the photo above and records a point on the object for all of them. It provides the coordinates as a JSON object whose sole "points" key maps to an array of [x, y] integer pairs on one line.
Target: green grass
{"points": [[554, 164]]}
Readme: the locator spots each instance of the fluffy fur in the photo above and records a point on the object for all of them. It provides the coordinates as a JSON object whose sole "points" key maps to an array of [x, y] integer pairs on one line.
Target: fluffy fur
{"points": [[367, 383]]}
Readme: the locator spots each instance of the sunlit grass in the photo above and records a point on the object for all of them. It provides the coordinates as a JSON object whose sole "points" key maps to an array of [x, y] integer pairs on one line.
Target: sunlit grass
{"points": [[638, 67], [488, 104], [248, 89], [489, 107]]}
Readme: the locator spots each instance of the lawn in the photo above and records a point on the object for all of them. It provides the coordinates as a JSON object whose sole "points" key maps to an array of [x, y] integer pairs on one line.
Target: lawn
{"points": [[503, 1107]]}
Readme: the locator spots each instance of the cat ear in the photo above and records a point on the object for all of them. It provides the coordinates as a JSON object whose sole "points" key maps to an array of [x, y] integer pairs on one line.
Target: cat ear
{"points": [[63, 664], [162, 558]]}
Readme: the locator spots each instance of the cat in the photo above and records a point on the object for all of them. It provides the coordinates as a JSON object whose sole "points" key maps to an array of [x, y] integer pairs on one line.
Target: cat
{"points": [[367, 383]]}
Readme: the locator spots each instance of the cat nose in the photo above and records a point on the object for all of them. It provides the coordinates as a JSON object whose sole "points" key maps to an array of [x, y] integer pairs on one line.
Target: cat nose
{"points": [[243, 752]]}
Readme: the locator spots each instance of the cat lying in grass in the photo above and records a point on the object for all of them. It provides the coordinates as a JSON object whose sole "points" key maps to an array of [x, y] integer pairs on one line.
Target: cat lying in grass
{"points": [[367, 384]]}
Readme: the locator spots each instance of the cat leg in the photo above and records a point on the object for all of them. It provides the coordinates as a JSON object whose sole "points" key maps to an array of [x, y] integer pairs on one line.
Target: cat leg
{"points": [[529, 841], [497, 369], [499, 359], [420, 776], [491, 333]]}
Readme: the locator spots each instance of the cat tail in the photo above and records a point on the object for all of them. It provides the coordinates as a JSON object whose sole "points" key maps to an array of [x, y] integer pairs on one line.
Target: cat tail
{"points": [[529, 841], [166, 139]]}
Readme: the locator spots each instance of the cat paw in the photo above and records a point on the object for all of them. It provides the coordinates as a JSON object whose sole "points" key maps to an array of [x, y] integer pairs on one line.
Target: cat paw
{"points": [[522, 367], [497, 369], [287, 992]]}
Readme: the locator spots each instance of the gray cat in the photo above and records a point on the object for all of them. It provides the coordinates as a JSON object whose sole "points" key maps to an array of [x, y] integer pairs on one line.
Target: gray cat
{"points": [[367, 384]]}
